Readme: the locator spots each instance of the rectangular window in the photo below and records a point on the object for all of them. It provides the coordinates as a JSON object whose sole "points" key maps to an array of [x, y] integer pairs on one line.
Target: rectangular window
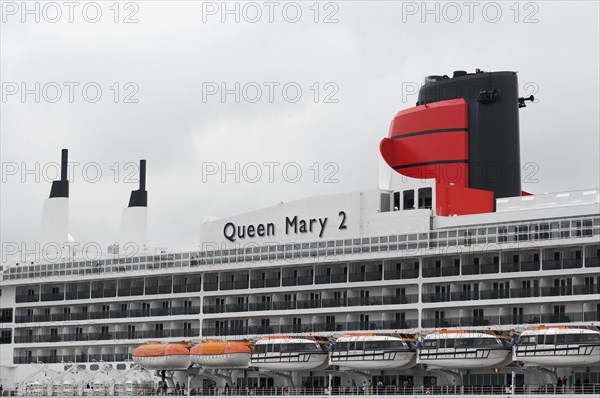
{"points": [[425, 201], [408, 198]]}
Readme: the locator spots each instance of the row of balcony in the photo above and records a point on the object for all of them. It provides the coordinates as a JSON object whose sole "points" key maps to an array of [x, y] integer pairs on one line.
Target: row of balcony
{"points": [[587, 316], [25, 359], [99, 336], [309, 328], [130, 313], [520, 292], [452, 270], [523, 266], [305, 304]]}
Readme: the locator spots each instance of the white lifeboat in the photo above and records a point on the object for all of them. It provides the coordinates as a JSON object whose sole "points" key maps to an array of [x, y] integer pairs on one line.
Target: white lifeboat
{"points": [[222, 354], [559, 346], [286, 353], [369, 351], [161, 356], [461, 349]]}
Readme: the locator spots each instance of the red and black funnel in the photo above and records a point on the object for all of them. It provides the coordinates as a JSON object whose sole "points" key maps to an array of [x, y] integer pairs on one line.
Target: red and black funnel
{"points": [[464, 133]]}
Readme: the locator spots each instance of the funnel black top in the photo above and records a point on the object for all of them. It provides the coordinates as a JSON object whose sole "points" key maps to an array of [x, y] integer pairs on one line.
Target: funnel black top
{"points": [[139, 198], [60, 188], [493, 107]]}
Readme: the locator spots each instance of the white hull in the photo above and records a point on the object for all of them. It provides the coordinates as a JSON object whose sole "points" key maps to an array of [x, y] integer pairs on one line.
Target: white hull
{"points": [[236, 360], [169, 362]]}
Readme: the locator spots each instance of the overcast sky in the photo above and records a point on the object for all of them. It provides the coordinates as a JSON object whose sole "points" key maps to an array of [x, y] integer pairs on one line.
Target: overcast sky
{"points": [[363, 64]]}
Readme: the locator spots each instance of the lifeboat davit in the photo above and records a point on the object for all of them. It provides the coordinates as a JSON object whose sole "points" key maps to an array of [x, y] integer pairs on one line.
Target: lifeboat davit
{"points": [[460, 349], [222, 354], [286, 353], [374, 352], [559, 346], [162, 356]]}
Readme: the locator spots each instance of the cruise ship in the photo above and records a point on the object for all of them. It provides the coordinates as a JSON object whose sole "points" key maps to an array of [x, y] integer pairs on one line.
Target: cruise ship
{"points": [[446, 279]]}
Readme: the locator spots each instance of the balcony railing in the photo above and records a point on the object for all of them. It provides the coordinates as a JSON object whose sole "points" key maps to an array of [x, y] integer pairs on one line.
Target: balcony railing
{"points": [[589, 316], [27, 298], [231, 285], [111, 314], [333, 278], [101, 336], [104, 293], [477, 269], [405, 274], [189, 288], [567, 263], [262, 283], [131, 291], [298, 281], [365, 276], [77, 295], [591, 262], [310, 327]]}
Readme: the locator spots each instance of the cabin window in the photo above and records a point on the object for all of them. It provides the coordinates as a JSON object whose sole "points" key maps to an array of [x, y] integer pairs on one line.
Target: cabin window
{"points": [[396, 200], [385, 202], [408, 198], [425, 200]]}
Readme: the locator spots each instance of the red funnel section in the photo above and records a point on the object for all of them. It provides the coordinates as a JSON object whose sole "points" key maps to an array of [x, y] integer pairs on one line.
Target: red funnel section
{"points": [[432, 141]]}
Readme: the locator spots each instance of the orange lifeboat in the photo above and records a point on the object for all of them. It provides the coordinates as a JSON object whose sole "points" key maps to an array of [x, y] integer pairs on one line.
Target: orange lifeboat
{"points": [[222, 354], [162, 356]]}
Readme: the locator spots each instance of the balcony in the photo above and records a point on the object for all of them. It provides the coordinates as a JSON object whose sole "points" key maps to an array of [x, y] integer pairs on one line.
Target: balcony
{"points": [[334, 302], [405, 299], [333, 278], [104, 293], [262, 283], [165, 289], [557, 290], [211, 286], [52, 296], [451, 270], [567, 263], [494, 294], [213, 309], [27, 298], [266, 306], [364, 301], [521, 292], [464, 296], [436, 297], [586, 289], [189, 288], [401, 324], [365, 276], [477, 269], [591, 262], [297, 281], [432, 272], [406, 274], [185, 310], [524, 266], [77, 295], [6, 318], [284, 305], [131, 291], [234, 285], [237, 307]]}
